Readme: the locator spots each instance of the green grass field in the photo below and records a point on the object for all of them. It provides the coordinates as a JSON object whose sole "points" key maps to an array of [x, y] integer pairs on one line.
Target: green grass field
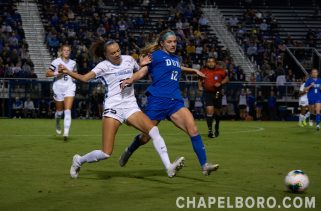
{"points": [[254, 158]]}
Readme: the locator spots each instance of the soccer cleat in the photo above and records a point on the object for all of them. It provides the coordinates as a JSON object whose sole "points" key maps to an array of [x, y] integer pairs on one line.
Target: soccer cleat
{"points": [[175, 166], [310, 123], [124, 157], [65, 138], [217, 133], [301, 124], [210, 134], [58, 129], [208, 168], [75, 166], [318, 127], [304, 122]]}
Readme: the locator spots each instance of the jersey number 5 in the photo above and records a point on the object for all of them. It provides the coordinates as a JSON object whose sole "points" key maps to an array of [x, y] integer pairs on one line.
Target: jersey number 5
{"points": [[174, 75]]}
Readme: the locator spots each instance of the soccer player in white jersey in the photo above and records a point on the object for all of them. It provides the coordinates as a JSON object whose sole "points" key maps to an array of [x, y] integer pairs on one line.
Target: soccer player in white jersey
{"points": [[120, 106], [304, 106], [64, 88]]}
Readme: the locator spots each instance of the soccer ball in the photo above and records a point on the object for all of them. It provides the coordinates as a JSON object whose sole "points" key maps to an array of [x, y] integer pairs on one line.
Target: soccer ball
{"points": [[297, 181]]}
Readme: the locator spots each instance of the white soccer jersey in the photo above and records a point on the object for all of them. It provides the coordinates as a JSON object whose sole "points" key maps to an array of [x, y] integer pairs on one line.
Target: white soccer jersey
{"points": [[111, 76], [65, 79], [304, 98]]}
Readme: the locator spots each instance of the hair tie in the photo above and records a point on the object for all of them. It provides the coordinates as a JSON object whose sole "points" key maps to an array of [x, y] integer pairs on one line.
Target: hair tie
{"points": [[109, 42], [166, 35]]}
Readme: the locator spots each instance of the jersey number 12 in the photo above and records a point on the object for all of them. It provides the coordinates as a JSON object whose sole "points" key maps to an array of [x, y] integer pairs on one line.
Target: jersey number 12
{"points": [[174, 75]]}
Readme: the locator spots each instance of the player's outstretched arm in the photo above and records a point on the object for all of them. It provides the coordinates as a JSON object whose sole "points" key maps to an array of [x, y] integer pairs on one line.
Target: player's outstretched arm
{"points": [[84, 78], [306, 89], [191, 70], [136, 76], [50, 73]]}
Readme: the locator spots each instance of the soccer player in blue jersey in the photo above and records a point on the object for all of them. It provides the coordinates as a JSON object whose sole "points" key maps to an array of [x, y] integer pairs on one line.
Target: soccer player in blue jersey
{"points": [[164, 97], [312, 86]]}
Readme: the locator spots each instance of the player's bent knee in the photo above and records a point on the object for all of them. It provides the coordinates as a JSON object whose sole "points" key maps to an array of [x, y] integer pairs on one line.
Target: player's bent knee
{"points": [[144, 139], [192, 131]]}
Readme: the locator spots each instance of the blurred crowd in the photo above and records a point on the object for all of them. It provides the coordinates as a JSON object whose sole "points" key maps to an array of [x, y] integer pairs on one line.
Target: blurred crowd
{"points": [[80, 23], [15, 60]]}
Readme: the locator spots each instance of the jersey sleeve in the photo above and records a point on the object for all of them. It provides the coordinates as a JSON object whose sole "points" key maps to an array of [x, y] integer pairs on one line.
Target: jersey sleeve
{"points": [[136, 66], [75, 69], [302, 87], [53, 65], [99, 70], [154, 61], [307, 83]]}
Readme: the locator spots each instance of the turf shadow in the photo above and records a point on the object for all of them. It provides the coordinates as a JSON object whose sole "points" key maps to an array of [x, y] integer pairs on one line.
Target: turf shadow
{"points": [[149, 175]]}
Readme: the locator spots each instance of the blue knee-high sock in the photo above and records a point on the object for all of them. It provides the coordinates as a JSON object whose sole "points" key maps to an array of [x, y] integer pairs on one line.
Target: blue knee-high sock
{"points": [[317, 119], [199, 149], [135, 144]]}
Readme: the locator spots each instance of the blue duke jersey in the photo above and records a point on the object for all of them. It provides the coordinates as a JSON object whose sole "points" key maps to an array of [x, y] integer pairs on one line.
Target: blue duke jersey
{"points": [[165, 71], [314, 92]]}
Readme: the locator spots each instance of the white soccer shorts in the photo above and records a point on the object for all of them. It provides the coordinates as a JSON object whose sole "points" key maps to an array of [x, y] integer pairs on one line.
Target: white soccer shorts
{"points": [[120, 114], [303, 103], [61, 91]]}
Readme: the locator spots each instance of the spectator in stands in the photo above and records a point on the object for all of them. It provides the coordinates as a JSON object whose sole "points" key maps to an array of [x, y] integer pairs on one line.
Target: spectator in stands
{"points": [[233, 23], [17, 107], [43, 109], [6, 28], [280, 80], [259, 105], [203, 21], [252, 51], [290, 76], [240, 75], [250, 100], [199, 110], [2, 68], [101, 30], [242, 104], [224, 104], [263, 26], [53, 43], [252, 78], [311, 38], [13, 40], [29, 108], [272, 106]]}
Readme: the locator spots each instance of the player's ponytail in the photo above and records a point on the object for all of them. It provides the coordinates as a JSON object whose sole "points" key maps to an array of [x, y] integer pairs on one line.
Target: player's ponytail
{"points": [[97, 49], [149, 48]]}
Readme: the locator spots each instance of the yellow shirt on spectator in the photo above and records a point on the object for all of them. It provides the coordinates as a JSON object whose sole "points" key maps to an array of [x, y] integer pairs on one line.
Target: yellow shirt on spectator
{"points": [[135, 56], [190, 49]]}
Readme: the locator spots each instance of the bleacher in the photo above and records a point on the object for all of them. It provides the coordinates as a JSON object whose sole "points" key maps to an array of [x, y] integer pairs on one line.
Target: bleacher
{"points": [[152, 14], [294, 17], [14, 57]]}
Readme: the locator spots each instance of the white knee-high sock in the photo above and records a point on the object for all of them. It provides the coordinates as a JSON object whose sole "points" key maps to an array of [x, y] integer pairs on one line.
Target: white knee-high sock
{"points": [[93, 156], [67, 122], [58, 115], [301, 118], [160, 146], [307, 115]]}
